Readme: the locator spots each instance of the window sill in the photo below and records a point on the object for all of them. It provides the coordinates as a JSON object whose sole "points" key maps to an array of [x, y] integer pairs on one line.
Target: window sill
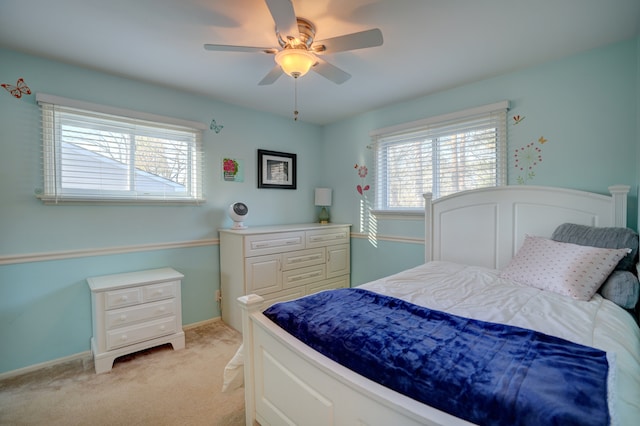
{"points": [[52, 200]]}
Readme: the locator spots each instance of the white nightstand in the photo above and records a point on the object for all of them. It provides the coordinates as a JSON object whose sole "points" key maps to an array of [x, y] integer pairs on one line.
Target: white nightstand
{"points": [[134, 311]]}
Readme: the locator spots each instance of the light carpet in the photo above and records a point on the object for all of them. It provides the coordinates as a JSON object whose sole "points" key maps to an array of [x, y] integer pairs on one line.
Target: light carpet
{"points": [[157, 386]]}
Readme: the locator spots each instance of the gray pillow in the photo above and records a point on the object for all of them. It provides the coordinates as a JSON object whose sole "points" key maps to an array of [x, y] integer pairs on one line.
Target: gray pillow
{"points": [[611, 237], [622, 286]]}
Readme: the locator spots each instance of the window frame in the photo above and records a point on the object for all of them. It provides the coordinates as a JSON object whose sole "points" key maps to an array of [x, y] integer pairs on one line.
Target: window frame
{"points": [[133, 126], [424, 130]]}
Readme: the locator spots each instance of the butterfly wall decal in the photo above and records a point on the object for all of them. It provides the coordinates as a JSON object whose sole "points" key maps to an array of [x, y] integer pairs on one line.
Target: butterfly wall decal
{"points": [[18, 90], [215, 126]]}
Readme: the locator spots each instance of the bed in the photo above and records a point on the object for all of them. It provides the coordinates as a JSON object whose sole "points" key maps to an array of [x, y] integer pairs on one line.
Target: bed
{"points": [[476, 244]]}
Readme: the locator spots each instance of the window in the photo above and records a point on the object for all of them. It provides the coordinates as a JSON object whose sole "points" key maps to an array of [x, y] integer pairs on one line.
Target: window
{"points": [[95, 153], [441, 155]]}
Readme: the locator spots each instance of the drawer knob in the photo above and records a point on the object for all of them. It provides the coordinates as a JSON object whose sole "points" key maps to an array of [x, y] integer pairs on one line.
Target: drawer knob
{"points": [[124, 298], [162, 309], [123, 317], [160, 291], [123, 337], [162, 327]]}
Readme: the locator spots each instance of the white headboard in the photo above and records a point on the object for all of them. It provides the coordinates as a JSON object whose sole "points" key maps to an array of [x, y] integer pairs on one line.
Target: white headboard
{"points": [[485, 227]]}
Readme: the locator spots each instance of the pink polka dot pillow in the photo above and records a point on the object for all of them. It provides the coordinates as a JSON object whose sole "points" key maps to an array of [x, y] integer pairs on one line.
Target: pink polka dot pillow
{"points": [[568, 269]]}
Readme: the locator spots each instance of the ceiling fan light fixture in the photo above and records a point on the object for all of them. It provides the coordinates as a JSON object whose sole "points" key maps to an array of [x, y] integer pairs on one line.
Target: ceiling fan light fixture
{"points": [[295, 62]]}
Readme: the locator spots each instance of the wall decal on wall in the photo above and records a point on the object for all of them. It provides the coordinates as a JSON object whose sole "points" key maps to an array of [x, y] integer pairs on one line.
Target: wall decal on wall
{"points": [[18, 90], [232, 170], [517, 119], [526, 158], [215, 126], [362, 173]]}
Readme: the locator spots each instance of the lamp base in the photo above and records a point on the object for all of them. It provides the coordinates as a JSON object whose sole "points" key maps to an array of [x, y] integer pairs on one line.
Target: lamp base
{"points": [[324, 216]]}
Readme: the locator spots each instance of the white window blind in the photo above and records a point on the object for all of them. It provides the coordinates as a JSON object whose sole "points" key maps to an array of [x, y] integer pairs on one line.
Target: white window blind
{"points": [[441, 155], [94, 153]]}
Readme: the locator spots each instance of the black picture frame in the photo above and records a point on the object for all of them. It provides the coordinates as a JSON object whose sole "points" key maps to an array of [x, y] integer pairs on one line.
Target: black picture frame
{"points": [[276, 169]]}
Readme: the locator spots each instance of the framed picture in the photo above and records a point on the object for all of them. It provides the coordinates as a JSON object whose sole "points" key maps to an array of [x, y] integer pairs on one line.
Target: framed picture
{"points": [[232, 169], [276, 170]]}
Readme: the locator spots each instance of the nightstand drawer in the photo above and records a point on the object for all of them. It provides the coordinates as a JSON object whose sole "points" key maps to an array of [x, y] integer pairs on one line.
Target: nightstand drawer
{"points": [[160, 291], [131, 315], [120, 298], [147, 331]]}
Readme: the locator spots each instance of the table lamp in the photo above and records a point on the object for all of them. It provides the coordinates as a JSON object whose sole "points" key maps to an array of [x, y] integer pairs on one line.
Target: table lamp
{"points": [[323, 198]]}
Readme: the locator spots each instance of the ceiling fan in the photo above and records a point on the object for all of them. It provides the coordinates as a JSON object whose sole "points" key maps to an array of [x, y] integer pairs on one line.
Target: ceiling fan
{"points": [[299, 51]]}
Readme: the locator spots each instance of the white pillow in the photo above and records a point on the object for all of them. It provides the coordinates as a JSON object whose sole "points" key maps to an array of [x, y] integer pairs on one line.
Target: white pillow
{"points": [[564, 268]]}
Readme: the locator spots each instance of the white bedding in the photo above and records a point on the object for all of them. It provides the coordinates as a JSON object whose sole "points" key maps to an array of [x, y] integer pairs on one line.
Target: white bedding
{"points": [[479, 293]]}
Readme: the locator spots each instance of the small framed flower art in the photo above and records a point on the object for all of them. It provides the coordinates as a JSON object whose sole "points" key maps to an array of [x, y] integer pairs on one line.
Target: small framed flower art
{"points": [[232, 170]]}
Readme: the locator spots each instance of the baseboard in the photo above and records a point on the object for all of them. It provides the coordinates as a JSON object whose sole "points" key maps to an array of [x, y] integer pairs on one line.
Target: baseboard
{"points": [[201, 323], [82, 356], [85, 357]]}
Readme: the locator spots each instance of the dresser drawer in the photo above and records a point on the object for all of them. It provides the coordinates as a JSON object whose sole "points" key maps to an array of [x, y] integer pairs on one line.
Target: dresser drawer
{"points": [[135, 314], [282, 296], [256, 245], [159, 291], [302, 258], [326, 237], [342, 282], [302, 276], [129, 335], [125, 297]]}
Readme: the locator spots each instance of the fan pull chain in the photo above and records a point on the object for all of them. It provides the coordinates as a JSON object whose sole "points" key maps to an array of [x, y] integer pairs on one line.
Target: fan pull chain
{"points": [[295, 104]]}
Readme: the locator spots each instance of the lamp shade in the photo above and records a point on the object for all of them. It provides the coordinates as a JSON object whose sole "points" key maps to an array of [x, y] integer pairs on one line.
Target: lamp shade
{"points": [[295, 62], [323, 196]]}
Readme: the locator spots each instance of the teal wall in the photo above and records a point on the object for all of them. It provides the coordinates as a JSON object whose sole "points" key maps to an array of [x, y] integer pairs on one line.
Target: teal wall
{"points": [[585, 106], [45, 310], [45, 307]]}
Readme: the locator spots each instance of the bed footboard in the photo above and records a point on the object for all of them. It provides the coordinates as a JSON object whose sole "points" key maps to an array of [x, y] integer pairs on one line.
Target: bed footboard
{"points": [[286, 382]]}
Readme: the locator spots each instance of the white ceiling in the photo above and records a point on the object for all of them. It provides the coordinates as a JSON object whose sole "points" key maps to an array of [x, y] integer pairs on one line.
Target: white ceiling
{"points": [[429, 45]]}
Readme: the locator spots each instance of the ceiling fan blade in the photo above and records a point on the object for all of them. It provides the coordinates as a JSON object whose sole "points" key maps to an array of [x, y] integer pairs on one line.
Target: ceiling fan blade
{"points": [[285, 17], [272, 76], [359, 40], [330, 72], [249, 49]]}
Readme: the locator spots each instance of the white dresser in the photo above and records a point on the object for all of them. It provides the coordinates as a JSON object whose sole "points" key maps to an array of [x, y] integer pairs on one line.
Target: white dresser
{"points": [[281, 263], [134, 311]]}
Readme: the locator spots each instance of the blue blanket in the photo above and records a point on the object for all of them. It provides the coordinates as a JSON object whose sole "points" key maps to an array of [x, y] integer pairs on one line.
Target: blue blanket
{"points": [[486, 373]]}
